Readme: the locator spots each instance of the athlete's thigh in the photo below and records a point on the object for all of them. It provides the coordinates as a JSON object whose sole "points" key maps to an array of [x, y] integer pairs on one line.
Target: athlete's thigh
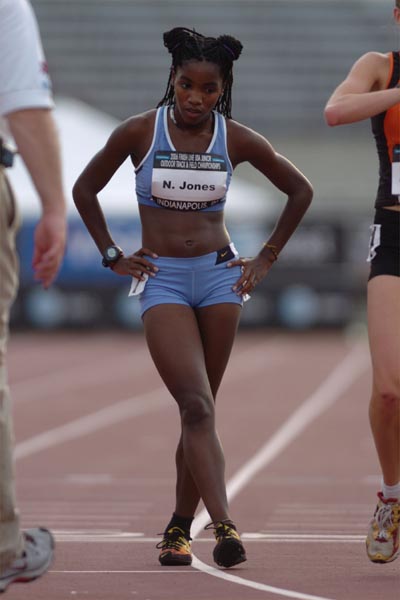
{"points": [[384, 329], [173, 337], [218, 325]]}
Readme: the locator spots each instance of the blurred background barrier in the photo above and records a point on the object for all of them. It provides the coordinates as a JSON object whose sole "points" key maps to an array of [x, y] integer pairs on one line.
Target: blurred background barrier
{"points": [[319, 280], [107, 62]]}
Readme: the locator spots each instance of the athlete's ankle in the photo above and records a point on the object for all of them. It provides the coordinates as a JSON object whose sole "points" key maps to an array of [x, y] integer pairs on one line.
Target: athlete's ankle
{"points": [[391, 491], [183, 523]]}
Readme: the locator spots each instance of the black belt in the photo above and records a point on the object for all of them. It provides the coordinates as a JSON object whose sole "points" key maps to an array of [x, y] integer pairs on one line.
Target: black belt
{"points": [[6, 155]]}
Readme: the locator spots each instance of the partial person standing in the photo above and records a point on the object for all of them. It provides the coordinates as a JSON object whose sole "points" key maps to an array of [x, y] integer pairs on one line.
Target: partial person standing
{"points": [[371, 90], [190, 279], [26, 120]]}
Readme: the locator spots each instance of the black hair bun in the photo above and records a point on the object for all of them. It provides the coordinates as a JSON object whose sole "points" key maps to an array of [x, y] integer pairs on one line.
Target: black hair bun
{"points": [[177, 37], [231, 45]]}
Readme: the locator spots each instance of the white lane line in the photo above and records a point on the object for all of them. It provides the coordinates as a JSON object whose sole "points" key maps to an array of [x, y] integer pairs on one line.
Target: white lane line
{"points": [[303, 537], [98, 372], [131, 538], [150, 572], [341, 378], [255, 585], [125, 409], [74, 377]]}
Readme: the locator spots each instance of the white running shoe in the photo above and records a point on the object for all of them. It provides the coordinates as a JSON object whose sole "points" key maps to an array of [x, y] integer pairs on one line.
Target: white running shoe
{"points": [[35, 560], [383, 535]]}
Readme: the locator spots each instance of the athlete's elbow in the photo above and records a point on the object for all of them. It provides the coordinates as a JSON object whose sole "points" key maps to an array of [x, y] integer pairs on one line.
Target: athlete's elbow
{"points": [[77, 192], [308, 194], [303, 196], [81, 194], [332, 116]]}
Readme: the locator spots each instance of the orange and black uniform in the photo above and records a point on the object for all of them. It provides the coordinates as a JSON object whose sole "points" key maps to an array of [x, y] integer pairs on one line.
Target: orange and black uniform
{"points": [[386, 130], [385, 239]]}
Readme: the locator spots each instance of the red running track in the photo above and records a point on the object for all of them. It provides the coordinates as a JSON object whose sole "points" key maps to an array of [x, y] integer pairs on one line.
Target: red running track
{"points": [[95, 442]]}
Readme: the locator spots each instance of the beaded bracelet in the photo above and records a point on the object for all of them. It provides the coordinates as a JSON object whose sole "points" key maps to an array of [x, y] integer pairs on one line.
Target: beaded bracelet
{"points": [[274, 250]]}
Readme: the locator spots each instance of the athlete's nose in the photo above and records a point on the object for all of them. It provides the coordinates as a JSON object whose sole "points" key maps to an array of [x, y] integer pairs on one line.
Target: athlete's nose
{"points": [[195, 99]]}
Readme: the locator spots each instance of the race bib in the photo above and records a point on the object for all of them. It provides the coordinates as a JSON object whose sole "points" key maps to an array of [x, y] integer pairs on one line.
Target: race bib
{"points": [[188, 181]]}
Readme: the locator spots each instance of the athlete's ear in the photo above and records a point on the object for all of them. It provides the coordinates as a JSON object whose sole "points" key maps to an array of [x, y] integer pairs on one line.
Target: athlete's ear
{"points": [[173, 74]]}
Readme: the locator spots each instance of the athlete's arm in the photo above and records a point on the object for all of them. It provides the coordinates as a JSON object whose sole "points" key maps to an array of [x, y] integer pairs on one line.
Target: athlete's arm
{"points": [[123, 142], [245, 145], [362, 95]]}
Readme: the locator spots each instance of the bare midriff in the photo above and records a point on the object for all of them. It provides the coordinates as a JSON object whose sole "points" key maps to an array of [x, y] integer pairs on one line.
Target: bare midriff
{"points": [[396, 208], [182, 234]]}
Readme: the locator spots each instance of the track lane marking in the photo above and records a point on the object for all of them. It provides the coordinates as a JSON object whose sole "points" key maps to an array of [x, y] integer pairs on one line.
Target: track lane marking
{"points": [[131, 538], [335, 384], [326, 395], [164, 572], [110, 415], [73, 377], [94, 373], [131, 407]]}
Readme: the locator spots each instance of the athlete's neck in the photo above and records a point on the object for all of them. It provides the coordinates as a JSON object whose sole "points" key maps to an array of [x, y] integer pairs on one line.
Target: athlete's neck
{"points": [[204, 126]]}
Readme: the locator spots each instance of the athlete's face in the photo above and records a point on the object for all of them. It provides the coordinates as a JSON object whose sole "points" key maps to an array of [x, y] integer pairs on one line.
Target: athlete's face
{"points": [[198, 86], [396, 14]]}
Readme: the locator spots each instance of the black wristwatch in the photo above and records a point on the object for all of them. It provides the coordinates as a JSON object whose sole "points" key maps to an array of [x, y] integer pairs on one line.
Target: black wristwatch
{"points": [[111, 255]]}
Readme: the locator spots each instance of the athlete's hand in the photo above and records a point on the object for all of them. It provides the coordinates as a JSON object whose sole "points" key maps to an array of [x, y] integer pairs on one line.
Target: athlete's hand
{"points": [[253, 271], [136, 264]]}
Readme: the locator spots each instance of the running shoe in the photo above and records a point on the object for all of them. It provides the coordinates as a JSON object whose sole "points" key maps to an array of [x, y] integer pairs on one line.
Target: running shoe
{"points": [[383, 534], [175, 547], [229, 550], [35, 560]]}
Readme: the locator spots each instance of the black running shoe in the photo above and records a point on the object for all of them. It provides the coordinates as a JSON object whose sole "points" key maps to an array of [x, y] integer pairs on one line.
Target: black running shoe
{"points": [[229, 550], [175, 548]]}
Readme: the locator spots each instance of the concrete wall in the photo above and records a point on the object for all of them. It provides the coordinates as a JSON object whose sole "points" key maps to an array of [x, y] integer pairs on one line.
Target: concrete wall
{"points": [[110, 54]]}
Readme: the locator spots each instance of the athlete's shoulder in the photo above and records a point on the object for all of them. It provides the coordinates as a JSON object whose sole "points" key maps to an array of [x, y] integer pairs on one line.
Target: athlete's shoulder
{"points": [[135, 127], [141, 121], [236, 130], [132, 135], [243, 134], [376, 63], [374, 59], [244, 143], [370, 72]]}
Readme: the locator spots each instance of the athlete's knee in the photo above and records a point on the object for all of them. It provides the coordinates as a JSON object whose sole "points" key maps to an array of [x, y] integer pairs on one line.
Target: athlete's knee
{"points": [[197, 409], [387, 400]]}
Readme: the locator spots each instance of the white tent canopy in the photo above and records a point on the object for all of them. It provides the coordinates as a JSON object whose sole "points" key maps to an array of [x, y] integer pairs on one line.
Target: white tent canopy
{"points": [[83, 132]]}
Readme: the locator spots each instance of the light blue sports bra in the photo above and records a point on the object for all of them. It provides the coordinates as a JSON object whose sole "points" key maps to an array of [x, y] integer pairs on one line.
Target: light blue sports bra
{"points": [[184, 181]]}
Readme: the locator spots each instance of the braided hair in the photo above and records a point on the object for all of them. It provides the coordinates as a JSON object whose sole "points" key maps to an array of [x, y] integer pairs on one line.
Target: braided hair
{"points": [[186, 44]]}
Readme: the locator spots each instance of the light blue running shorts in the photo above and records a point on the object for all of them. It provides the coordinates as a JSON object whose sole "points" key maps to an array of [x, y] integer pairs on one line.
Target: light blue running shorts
{"points": [[196, 282]]}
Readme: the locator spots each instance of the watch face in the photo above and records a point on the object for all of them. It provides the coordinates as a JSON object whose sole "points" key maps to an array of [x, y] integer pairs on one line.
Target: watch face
{"points": [[112, 253]]}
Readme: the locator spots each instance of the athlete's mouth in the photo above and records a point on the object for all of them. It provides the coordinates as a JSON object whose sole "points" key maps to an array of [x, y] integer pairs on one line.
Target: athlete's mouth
{"points": [[192, 112]]}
